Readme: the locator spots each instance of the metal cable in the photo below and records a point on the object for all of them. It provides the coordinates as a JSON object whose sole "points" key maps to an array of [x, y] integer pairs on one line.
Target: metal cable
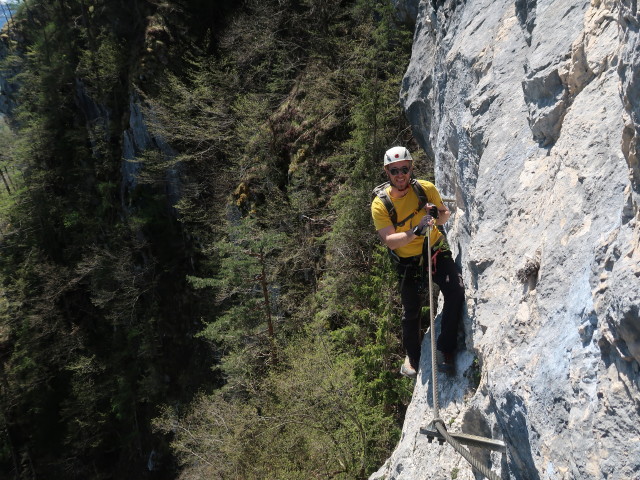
{"points": [[432, 328], [469, 457], [437, 421]]}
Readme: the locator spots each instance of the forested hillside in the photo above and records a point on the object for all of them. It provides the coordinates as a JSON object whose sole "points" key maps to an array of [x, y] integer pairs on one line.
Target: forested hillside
{"points": [[211, 302]]}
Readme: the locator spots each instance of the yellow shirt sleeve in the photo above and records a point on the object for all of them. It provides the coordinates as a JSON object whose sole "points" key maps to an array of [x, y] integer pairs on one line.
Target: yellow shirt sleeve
{"points": [[433, 196], [380, 215]]}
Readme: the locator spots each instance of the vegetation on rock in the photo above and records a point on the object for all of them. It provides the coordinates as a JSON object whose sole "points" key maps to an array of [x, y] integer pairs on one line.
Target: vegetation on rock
{"points": [[227, 312]]}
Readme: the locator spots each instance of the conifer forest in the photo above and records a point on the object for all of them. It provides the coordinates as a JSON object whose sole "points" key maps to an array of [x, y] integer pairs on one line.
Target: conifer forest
{"points": [[191, 286]]}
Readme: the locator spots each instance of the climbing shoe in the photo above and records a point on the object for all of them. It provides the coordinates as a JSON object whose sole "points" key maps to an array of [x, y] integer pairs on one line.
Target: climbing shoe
{"points": [[407, 370], [446, 362]]}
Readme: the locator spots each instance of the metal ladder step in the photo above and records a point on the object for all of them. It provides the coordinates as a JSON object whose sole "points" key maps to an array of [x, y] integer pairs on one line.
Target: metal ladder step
{"points": [[466, 439]]}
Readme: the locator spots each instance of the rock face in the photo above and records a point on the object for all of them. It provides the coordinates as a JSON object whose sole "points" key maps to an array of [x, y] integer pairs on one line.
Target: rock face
{"points": [[7, 88], [406, 10], [531, 109]]}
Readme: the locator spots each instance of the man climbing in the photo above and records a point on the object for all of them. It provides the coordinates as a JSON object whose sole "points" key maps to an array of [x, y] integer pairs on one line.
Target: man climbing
{"points": [[404, 211]]}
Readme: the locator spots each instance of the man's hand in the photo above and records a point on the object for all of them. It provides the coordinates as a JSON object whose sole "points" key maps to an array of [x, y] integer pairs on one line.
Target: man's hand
{"points": [[425, 222], [431, 209]]}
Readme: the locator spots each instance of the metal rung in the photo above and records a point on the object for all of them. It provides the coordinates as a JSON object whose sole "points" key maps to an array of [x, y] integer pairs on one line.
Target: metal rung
{"points": [[466, 439]]}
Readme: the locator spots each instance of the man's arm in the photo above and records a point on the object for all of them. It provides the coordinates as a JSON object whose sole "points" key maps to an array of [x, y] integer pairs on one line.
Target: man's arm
{"points": [[443, 215], [393, 239]]}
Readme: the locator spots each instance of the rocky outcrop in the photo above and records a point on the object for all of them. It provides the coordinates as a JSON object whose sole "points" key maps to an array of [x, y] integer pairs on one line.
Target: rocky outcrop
{"points": [[136, 139], [531, 109], [406, 10], [8, 87]]}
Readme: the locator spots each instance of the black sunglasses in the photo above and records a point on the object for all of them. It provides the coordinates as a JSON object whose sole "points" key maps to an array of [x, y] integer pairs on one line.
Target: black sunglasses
{"points": [[396, 171]]}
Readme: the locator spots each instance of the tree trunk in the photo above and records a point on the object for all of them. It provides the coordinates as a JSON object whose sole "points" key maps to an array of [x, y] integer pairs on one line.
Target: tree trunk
{"points": [[6, 185], [13, 185]]}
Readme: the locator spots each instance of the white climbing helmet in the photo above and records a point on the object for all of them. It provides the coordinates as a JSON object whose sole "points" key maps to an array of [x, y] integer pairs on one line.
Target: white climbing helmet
{"points": [[396, 154]]}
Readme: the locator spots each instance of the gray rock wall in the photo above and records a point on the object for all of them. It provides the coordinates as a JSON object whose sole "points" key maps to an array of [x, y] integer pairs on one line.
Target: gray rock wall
{"points": [[531, 109]]}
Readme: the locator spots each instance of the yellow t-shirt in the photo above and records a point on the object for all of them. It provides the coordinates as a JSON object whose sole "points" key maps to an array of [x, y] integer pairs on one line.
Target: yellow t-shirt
{"points": [[404, 207]]}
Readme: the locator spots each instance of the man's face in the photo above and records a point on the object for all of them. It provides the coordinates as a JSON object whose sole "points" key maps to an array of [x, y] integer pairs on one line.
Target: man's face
{"points": [[399, 173]]}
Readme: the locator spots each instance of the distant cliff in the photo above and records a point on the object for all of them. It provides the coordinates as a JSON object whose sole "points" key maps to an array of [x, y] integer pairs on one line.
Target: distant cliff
{"points": [[531, 109], [6, 88]]}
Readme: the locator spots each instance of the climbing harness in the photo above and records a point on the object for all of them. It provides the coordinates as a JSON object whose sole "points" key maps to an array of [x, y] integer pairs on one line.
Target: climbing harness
{"points": [[408, 266], [439, 430], [441, 248]]}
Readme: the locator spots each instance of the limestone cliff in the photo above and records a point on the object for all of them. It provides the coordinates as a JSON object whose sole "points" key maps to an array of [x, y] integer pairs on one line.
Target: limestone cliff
{"points": [[531, 109]]}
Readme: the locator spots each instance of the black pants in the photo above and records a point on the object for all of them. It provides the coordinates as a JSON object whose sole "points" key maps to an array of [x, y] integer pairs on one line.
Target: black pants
{"points": [[413, 288]]}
